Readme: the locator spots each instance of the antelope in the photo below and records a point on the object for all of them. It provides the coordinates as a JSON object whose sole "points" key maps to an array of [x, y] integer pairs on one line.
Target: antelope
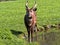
{"points": [[30, 21]]}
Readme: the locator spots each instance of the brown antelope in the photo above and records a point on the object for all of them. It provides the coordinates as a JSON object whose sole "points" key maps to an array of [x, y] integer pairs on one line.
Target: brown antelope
{"points": [[30, 20]]}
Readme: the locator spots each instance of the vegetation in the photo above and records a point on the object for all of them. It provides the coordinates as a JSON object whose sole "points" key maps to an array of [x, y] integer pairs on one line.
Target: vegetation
{"points": [[12, 18]]}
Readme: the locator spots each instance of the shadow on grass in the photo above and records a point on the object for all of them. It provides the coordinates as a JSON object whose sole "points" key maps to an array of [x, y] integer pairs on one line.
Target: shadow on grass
{"points": [[19, 34], [16, 32]]}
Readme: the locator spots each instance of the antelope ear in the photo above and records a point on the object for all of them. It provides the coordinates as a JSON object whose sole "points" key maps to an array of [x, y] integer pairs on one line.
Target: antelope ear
{"points": [[34, 9]]}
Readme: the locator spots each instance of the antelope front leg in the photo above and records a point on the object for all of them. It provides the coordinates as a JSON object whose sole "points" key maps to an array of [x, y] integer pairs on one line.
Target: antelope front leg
{"points": [[32, 33], [29, 36]]}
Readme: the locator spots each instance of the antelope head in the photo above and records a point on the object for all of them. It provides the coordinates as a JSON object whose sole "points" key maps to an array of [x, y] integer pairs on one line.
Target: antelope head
{"points": [[33, 9]]}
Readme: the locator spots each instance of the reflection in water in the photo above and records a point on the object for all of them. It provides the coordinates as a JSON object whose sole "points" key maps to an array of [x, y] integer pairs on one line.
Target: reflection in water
{"points": [[52, 38]]}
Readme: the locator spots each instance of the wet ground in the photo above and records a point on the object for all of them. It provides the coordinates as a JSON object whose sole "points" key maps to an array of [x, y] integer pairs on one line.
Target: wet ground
{"points": [[52, 38]]}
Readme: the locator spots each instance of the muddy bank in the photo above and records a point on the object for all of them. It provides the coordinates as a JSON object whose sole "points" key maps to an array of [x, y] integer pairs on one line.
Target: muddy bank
{"points": [[52, 38]]}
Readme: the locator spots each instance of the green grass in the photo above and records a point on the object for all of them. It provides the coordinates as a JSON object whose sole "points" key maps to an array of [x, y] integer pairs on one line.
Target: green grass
{"points": [[12, 18]]}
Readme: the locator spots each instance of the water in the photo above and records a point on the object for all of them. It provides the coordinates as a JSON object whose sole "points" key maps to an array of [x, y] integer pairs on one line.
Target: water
{"points": [[52, 38]]}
